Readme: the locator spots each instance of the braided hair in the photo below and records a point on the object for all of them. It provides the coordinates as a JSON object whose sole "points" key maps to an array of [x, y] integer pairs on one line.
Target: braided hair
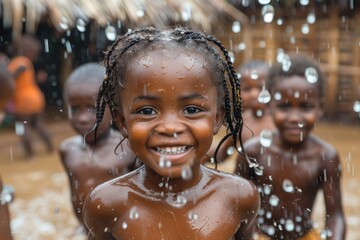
{"points": [[147, 39]]}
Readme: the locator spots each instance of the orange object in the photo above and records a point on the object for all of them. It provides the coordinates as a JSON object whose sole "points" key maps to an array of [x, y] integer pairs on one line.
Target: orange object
{"points": [[28, 98]]}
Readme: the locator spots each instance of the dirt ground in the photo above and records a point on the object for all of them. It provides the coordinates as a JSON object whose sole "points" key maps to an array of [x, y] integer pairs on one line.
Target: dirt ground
{"points": [[42, 210]]}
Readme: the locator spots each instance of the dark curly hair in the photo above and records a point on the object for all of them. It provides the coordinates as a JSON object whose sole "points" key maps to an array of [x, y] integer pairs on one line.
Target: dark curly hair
{"points": [[224, 77]]}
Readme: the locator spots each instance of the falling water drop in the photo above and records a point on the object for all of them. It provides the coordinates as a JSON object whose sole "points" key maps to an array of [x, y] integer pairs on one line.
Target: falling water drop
{"points": [[264, 2], [259, 113], [325, 234], [286, 63], [296, 94], [264, 96], [180, 201], [301, 124], [236, 27], [140, 13], [19, 128], [230, 151], [288, 186], [271, 231], [186, 173], [124, 225], [80, 25], [133, 213], [289, 225], [268, 13], [186, 12], [64, 25], [192, 216], [305, 29], [311, 75], [356, 106], [277, 96], [274, 200], [265, 138], [304, 2], [267, 189], [110, 33], [254, 75], [311, 18]]}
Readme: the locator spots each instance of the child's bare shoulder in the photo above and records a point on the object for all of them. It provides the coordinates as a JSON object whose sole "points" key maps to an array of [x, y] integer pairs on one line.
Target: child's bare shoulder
{"points": [[327, 151], [237, 188], [71, 143]]}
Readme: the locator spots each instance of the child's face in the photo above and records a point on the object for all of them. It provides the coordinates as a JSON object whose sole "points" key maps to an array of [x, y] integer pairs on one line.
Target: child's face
{"points": [[252, 82], [81, 110], [295, 107], [169, 110]]}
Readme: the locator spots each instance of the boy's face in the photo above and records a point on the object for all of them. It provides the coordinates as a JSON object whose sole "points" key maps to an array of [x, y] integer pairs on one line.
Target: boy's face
{"points": [[81, 100], [252, 82], [169, 110], [295, 107]]}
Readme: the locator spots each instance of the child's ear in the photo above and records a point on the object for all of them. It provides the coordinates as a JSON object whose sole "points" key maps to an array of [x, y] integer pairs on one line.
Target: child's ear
{"points": [[219, 120], [120, 124]]}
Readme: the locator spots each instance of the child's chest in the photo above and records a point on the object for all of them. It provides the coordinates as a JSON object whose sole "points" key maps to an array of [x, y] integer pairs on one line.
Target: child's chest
{"points": [[177, 217]]}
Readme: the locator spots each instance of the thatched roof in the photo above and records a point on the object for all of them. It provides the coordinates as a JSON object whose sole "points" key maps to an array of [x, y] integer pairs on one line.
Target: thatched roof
{"points": [[65, 14]]}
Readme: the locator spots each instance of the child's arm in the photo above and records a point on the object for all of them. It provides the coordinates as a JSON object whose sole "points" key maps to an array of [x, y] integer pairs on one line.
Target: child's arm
{"points": [[335, 220], [250, 207]]}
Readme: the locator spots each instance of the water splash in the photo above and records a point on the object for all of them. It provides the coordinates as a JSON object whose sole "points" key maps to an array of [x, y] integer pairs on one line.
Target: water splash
{"points": [[133, 213], [81, 25]]}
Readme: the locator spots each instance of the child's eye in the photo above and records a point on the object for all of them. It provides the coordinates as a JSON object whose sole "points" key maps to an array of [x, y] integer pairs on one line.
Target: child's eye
{"points": [[307, 106], [146, 111], [191, 110]]}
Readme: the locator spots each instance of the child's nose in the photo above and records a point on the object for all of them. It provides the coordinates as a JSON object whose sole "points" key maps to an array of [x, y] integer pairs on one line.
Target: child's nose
{"points": [[171, 127]]}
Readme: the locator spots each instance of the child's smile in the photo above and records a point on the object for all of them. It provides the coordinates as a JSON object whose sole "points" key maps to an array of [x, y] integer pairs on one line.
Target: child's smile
{"points": [[169, 127]]}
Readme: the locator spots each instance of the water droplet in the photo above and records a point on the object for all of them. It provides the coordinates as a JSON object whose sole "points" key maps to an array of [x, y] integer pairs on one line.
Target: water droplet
{"points": [[230, 150], [264, 96], [268, 13], [64, 25], [289, 225], [264, 2], [270, 231], [274, 200], [325, 234], [267, 189], [301, 124], [241, 46], [305, 29], [254, 75], [236, 27], [277, 96], [46, 45], [232, 56], [285, 63], [164, 162], [134, 213], [356, 106], [192, 216], [280, 22], [186, 12], [268, 215], [180, 201], [80, 25], [311, 18], [106, 229], [140, 13], [124, 225], [311, 75], [259, 113], [110, 33], [304, 2], [288, 186], [296, 94], [265, 138], [19, 128], [186, 173], [298, 218]]}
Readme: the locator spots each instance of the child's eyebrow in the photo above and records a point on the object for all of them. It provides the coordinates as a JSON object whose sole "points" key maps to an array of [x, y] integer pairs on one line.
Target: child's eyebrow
{"points": [[146, 97], [192, 96]]}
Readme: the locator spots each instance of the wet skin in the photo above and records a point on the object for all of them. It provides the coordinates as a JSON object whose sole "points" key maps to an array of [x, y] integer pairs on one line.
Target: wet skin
{"points": [[90, 165], [168, 112], [296, 166]]}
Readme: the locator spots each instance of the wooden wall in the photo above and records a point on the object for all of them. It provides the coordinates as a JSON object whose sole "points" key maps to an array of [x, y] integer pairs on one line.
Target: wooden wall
{"points": [[334, 40]]}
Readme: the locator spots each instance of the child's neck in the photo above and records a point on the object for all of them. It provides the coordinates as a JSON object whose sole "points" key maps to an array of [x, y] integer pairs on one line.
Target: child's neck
{"points": [[167, 185]]}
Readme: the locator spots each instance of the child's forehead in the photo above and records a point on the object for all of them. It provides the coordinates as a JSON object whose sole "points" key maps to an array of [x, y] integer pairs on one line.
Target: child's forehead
{"points": [[293, 84], [82, 88]]}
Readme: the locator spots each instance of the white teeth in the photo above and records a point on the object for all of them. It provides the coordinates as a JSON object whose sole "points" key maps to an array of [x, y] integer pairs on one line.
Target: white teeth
{"points": [[171, 150]]}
